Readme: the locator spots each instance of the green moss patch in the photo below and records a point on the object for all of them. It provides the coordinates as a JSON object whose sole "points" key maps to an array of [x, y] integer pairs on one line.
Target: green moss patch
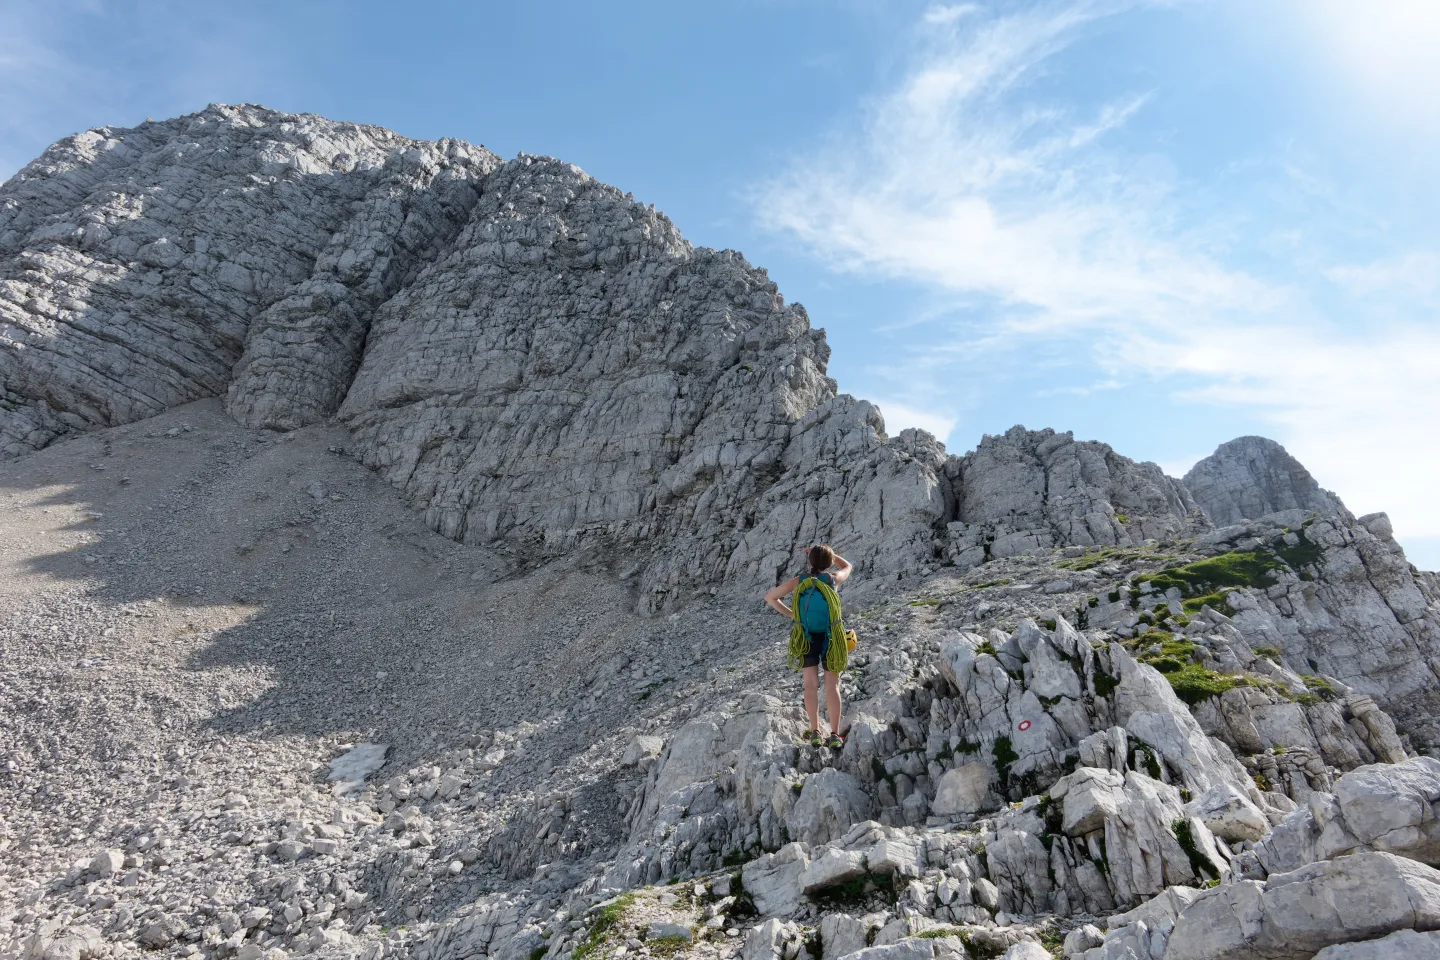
{"points": [[1097, 556], [1250, 568], [1199, 863], [1166, 664], [1300, 555], [1105, 684], [606, 919], [667, 946], [936, 933], [1216, 601], [856, 890], [1005, 755], [982, 949], [1194, 684]]}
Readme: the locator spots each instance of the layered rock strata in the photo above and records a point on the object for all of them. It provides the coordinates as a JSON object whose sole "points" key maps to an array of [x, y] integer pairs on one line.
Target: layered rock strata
{"points": [[528, 354], [1251, 477], [138, 267]]}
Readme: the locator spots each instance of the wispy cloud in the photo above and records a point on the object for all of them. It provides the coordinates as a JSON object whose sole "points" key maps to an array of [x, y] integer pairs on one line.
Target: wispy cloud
{"points": [[36, 81], [950, 184], [941, 14], [963, 180], [1411, 277], [157, 59]]}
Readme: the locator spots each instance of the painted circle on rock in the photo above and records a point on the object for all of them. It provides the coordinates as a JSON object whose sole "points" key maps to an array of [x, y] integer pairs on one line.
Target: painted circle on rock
{"points": [[1023, 725]]}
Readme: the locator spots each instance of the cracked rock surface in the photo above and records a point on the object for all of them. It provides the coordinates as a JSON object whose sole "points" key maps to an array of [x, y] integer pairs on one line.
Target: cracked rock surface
{"points": [[1250, 477], [382, 526]]}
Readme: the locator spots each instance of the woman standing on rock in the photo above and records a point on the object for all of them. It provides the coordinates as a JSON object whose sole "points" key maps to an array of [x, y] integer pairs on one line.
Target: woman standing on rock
{"points": [[817, 635]]}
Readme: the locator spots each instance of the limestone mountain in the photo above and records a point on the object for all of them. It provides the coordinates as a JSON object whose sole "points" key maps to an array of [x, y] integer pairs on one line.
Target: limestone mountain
{"points": [[342, 477], [524, 352], [1250, 477]]}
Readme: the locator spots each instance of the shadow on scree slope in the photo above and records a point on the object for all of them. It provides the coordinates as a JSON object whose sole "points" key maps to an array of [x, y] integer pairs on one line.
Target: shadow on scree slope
{"points": [[326, 581]]}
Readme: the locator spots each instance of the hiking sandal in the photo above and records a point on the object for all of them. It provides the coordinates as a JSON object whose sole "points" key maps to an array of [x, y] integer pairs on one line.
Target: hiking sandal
{"points": [[812, 738], [835, 742]]}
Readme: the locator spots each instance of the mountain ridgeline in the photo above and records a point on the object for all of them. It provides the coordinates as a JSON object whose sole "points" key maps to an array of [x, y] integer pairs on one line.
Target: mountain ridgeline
{"points": [[1083, 686], [524, 352]]}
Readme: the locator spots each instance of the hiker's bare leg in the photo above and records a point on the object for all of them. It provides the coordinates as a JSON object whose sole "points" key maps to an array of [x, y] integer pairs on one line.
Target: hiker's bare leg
{"points": [[832, 701], [812, 698]]}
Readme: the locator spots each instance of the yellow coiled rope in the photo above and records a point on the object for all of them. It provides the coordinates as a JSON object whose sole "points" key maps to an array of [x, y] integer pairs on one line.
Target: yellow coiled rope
{"points": [[837, 657]]}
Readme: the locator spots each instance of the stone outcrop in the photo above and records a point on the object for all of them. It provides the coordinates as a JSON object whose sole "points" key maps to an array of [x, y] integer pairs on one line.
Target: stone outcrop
{"points": [[1029, 491], [1293, 915], [1252, 477], [574, 374], [1352, 609], [138, 267], [1075, 694], [1384, 807], [529, 355], [1349, 867], [1410, 944]]}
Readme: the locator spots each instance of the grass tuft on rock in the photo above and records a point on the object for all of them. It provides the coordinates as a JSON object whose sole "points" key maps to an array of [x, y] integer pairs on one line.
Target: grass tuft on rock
{"points": [[1216, 601], [1105, 684], [1005, 755], [1319, 687], [855, 891], [1300, 555], [1199, 863], [1195, 684], [936, 933], [1247, 568], [667, 946], [607, 918]]}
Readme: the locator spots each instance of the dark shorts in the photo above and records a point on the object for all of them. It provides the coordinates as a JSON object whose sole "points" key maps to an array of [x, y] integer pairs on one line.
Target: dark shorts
{"points": [[819, 643]]}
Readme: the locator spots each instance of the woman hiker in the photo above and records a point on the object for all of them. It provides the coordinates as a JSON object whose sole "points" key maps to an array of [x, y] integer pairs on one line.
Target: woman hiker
{"points": [[817, 635]]}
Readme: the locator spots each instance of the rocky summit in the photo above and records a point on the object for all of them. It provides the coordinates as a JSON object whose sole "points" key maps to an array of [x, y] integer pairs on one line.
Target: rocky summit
{"points": [[382, 528]]}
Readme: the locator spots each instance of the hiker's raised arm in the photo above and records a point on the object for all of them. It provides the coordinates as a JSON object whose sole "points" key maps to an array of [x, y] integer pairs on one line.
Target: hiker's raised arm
{"points": [[784, 590], [842, 569]]}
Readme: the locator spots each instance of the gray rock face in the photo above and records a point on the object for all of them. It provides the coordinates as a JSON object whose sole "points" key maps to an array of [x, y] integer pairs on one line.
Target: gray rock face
{"points": [[1294, 915], [1392, 808], [574, 374], [1410, 944], [1028, 491], [526, 353], [1251, 477], [830, 803], [962, 790], [1140, 933], [1229, 814], [137, 267]]}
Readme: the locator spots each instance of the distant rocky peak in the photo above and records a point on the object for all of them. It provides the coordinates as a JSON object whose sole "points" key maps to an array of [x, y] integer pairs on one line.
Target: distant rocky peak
{"points": [[527, 354], [1252, 477], [1028, 491]]}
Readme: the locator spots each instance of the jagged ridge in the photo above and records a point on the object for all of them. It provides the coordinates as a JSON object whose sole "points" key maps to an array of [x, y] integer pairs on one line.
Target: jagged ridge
{"points": [[531, 357], [544, 359]]}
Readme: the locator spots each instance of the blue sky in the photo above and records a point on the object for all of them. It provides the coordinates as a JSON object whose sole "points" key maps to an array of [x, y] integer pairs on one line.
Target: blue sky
{"points": [[1159, 224]]}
